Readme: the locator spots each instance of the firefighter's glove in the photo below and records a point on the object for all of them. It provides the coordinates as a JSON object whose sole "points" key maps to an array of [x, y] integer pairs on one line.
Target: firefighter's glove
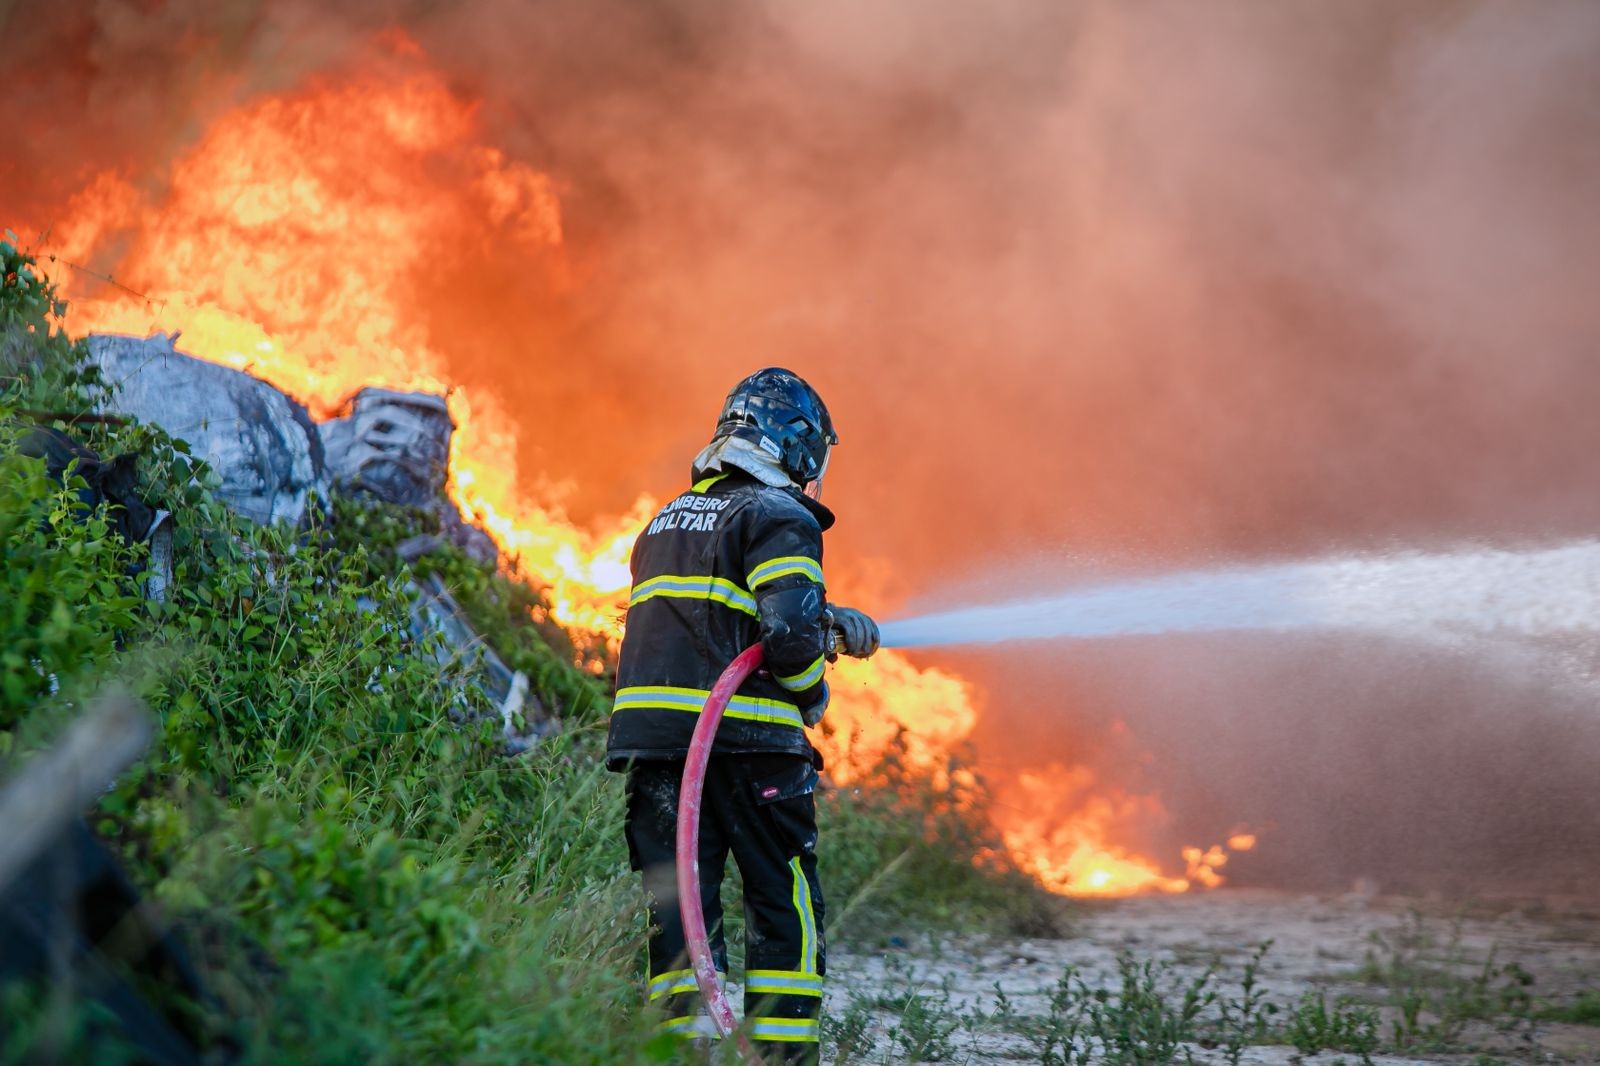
{"points": [[813, 714], [860, 633]]}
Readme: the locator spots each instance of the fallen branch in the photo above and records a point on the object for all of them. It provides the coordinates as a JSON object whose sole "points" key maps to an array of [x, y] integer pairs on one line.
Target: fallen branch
{"points": [[56, 786]]}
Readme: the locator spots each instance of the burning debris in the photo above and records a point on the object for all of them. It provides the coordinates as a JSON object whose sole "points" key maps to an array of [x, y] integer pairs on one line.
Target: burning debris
{"points": [[263, 445], [272, 459], [273, 463], [395, 447]]}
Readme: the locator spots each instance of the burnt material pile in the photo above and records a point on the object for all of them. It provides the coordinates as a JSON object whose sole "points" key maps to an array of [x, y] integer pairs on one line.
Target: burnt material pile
{"points": [[272, 459], [395, 447], [275, 465], [262, 444]]}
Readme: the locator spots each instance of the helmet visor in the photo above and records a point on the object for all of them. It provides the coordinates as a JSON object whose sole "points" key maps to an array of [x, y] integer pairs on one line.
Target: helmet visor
{"points": [[814, 486]]}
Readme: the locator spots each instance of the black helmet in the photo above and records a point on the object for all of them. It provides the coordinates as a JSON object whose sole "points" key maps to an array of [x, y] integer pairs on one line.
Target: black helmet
{"points": [[775, 410]]}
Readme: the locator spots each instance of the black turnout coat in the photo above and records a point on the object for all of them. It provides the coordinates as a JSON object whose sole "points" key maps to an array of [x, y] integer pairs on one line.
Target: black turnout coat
{"points": [[725, 564]]}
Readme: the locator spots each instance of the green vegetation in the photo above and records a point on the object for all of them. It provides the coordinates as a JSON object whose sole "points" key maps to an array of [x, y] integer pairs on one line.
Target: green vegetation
{"points": [[1144, 1020], [365, 879], [924, 1021], [62, 609], [41, 368], [1583, 1010], [1433, 986], [327, 819], [848, 1035], [1313, 1025], [1246, 1019], [506, 612], [1163, 1010]]}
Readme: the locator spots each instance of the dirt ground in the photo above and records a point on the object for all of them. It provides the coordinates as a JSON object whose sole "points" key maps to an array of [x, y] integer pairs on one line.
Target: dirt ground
{"points": [[1341, 944]]}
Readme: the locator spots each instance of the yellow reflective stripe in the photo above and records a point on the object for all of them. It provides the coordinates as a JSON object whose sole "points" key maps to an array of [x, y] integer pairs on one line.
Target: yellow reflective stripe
{"points": [[672, 983], [782, 983], [706, 483], [748, 708], [808, 918], [805, 678], [717, 589], [795, 1029], [695, 1025], [773, 569]]}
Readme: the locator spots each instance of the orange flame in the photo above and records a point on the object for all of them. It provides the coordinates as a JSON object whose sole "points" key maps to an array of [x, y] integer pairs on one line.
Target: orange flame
{"points": [[288, 244], [290, 241], [885, 699], [1058, 821]]}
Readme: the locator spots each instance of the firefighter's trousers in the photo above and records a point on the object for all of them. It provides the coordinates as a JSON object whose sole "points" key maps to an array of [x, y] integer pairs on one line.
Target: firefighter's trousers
{"points": [[761, 808]]}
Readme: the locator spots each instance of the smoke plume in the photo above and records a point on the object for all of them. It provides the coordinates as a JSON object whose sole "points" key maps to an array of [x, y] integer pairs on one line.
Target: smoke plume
{"points": [[1137, 286]]}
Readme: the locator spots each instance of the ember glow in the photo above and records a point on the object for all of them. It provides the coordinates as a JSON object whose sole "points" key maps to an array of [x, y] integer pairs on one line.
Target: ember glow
{"points": [[295, 237]]}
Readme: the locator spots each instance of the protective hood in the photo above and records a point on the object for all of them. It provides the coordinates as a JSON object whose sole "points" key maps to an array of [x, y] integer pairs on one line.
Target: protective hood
{"points": [[724, 452]]}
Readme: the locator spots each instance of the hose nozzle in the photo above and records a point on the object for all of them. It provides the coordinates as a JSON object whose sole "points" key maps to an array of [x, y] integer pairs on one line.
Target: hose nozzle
{"points": [[850, 632]]}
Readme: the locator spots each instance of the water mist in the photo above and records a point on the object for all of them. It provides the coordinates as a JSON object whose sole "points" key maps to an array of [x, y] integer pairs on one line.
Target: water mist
{"points": [[1465, 594]]}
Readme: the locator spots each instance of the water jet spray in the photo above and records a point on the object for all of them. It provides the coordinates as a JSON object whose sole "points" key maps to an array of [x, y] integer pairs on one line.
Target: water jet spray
{"points": [[1444, 596], [1435, 597]]}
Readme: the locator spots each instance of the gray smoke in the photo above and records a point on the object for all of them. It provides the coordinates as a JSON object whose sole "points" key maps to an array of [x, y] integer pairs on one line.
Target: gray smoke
{"points": [[1170, 284]]}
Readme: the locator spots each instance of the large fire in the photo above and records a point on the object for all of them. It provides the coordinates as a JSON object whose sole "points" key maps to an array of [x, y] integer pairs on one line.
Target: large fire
{"points": [[292, 238]]}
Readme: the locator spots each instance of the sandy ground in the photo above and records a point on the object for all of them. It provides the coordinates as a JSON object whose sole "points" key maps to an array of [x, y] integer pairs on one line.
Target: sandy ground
{"points": [[1319, 942]]}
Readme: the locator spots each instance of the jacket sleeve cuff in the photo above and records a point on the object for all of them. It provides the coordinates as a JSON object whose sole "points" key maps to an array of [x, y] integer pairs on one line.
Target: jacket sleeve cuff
{"points": [[803, 679], [812, 714]]}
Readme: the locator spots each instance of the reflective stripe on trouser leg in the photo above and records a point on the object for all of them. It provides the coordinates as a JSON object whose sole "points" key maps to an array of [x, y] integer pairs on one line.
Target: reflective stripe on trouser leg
{"points": [[806, 911], [783, 983], [783, 1006], [691, 1027], [785, 1030], [784, 908], [672, 983], [677, 995]]}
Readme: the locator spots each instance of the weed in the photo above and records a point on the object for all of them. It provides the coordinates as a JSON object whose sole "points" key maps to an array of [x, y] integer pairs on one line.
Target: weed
{"points": [[1144, 1021], [1435, 987], [1313, 1026], [1063, 1038], [64, 584], [848, 1034], [924, 1019], [1583, 1010], [1004, 1016], [1246, 1020], [1138, 1026]]}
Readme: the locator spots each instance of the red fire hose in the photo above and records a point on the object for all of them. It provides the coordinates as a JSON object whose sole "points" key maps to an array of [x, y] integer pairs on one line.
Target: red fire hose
{"points": [[689, 794]]}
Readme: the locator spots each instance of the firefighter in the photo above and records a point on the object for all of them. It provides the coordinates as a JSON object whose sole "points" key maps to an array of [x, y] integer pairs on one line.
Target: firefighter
{"points": [[735, 559]]}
